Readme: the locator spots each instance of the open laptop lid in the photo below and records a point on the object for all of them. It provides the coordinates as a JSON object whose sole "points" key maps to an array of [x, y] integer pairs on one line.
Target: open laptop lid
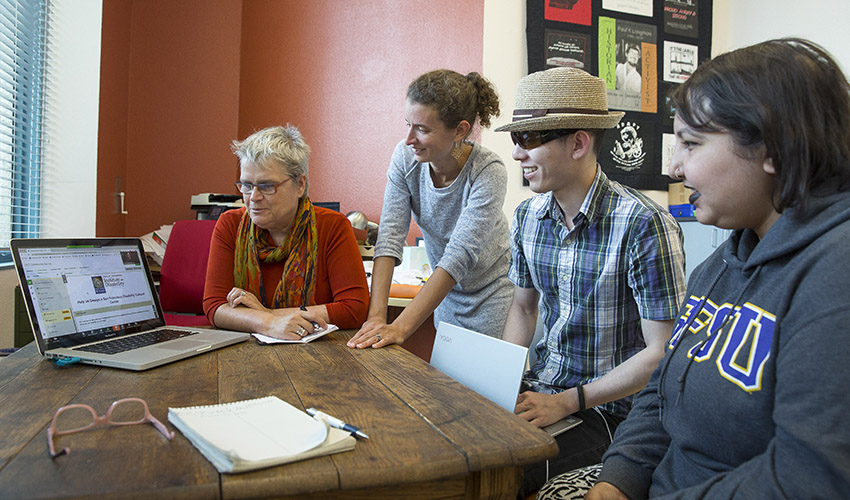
{"points": [[489, 366], [81, 290]]}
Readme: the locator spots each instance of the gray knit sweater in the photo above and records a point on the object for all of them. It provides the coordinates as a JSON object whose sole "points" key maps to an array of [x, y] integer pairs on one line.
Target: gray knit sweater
{"points": [[465, 232]]}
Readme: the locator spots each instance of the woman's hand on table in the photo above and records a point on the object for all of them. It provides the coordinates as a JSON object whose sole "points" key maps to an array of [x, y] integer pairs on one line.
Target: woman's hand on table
{"points": [[293, 326], [376, 333], [289, 323]]}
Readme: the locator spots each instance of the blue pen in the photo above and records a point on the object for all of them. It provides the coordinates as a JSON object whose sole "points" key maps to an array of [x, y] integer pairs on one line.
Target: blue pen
{"points": [[315, 325], [337, 423]]}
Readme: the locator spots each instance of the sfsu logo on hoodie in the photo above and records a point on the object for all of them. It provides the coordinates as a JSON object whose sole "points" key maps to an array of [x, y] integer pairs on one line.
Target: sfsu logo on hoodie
{"points": [[739, 345]]}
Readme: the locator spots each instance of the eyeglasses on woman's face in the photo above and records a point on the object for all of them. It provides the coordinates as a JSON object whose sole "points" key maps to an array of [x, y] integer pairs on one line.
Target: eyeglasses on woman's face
{"points": [[264, 189], [531, 139], [80, 417]]}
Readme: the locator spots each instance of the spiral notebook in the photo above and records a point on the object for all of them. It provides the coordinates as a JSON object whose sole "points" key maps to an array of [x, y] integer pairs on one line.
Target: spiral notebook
{"points": [[257, 433]]}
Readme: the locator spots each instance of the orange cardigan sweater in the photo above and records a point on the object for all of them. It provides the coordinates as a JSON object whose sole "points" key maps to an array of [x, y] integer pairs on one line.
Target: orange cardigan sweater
{"points": [[340, 278]]}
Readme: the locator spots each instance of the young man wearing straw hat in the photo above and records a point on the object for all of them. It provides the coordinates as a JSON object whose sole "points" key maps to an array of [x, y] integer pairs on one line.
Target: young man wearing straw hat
{"points": [[603, 263]]}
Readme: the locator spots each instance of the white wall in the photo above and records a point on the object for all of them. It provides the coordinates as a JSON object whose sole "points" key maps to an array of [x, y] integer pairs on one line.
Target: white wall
{"points": [[740, 23], [505, 62], [70, 179]]}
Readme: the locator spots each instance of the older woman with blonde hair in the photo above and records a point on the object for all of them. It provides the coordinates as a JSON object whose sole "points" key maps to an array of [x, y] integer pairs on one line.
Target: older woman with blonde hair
{"points": [[281, 265]]}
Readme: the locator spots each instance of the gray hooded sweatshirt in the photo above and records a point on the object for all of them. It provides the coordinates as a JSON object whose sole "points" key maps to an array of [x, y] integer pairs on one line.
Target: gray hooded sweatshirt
{"points": [[751, 400]]}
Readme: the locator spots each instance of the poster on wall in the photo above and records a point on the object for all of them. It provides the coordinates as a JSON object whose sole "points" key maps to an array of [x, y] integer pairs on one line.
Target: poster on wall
{"points": [[680, 17], [636, 7], [568, 11], [680, 61], [627, 63], [668, 146], [628, 154], [567, 49]]}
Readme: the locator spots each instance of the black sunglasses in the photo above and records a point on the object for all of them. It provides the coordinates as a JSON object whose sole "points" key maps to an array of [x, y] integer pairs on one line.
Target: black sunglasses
{"points": [[534, 138]]}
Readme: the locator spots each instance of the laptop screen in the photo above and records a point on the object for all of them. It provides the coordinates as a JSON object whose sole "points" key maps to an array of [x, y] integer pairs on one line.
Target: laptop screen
{"points": [[79, 293], [489, 366]]}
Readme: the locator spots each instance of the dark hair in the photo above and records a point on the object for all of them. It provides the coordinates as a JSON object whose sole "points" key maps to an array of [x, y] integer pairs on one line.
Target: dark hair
{"points": [[597, 135], [786, 95], [456, 97]]}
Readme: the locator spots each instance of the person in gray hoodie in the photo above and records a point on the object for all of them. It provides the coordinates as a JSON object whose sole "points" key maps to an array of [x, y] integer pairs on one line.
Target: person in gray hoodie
{"points": [[750, 400]]}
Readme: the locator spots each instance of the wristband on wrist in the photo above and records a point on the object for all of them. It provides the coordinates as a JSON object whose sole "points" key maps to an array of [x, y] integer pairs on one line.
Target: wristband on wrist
{"points": [[580, 390]]}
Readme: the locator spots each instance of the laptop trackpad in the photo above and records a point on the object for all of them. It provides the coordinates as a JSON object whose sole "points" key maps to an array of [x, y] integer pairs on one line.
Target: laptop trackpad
{"points": [[183, 345]]}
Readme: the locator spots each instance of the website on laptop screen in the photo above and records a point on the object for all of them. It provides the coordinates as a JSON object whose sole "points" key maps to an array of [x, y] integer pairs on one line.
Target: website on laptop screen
{"points": [[91, 291]]}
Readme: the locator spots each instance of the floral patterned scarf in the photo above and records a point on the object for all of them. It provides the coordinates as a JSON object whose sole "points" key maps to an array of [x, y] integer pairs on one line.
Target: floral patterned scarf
{"points": [[298, 252]]}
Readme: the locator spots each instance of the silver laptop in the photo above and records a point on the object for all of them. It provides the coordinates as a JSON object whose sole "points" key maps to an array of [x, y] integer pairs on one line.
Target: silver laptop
{"points": [[489, 366], [92, 300]]}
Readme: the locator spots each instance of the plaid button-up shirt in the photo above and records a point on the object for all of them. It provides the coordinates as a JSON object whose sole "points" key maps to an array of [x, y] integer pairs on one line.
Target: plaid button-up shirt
{"points": [[622, 261]]}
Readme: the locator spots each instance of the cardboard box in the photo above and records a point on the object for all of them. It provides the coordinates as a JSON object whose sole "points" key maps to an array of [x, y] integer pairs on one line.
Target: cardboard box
{"points": [[678, 194]]}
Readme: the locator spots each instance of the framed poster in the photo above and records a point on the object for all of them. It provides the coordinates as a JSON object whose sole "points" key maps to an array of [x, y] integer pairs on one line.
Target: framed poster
{"points": [[680, 61], [630, 74], [636, 7], [681, 17], [564, 48], [568, 11]]}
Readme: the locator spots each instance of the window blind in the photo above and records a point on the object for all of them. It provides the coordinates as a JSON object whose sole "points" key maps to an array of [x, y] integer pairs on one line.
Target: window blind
{"points": [[23, 57]]}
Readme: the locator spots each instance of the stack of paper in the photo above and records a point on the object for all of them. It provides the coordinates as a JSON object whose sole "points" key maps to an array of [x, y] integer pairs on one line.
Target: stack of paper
{"points": [[318, 332], [155, 242], [257, 433]]}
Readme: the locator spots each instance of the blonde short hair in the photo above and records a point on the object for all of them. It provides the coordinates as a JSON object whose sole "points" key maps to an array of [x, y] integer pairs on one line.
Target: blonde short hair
{"points": [[283, 147]]}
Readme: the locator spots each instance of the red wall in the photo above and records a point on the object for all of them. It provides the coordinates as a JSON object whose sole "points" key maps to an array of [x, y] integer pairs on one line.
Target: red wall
{"points": [[201, 73], [112, 134]]}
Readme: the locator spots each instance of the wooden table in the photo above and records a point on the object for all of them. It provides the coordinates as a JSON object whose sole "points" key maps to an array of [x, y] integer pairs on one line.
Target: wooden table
{"points": [[430, 436]]}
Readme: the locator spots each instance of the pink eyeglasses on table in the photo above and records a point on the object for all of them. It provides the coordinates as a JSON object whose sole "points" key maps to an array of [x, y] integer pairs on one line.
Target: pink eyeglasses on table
{"points": [[129, 414]]}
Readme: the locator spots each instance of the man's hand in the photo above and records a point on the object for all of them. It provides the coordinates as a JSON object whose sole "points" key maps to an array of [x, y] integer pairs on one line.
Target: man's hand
{"points": [[545, 409]]}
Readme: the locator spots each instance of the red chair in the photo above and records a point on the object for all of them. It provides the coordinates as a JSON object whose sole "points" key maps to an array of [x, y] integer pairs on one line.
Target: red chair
{"points": [[184, 271]]}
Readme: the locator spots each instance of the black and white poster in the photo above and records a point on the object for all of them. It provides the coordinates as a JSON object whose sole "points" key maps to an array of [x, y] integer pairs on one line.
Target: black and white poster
{"points": [[680, 61], [681, 17], [628, 154], [564, 48]]}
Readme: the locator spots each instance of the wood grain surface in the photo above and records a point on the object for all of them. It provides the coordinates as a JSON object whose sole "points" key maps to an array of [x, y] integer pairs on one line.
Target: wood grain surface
{"points": [[430, 437]]}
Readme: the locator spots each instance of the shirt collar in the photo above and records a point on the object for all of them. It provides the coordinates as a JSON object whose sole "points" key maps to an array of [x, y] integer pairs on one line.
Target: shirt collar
{"points": [[589, 207]]}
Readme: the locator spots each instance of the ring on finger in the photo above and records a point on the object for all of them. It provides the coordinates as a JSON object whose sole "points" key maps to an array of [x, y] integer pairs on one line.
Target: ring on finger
{"points": [[300, 331], [378, 336]]}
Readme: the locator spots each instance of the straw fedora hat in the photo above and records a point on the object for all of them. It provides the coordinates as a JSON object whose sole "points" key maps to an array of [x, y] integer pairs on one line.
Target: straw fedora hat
{"points": [[561, 98]]}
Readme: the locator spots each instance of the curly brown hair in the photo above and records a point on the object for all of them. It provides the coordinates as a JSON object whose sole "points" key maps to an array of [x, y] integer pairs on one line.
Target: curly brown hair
{"points": [[456, 97]]}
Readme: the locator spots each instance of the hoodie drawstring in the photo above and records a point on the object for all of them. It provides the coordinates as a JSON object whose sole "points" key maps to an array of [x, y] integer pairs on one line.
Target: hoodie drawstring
{"points": [[693, 315], [736, 305]]}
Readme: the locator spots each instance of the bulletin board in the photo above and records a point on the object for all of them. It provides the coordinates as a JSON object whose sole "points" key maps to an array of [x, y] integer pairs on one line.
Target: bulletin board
{"points": [[642, 49]]}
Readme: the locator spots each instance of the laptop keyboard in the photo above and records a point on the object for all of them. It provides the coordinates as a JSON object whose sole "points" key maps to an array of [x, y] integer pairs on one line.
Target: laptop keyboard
{"points": [[122, 344]]}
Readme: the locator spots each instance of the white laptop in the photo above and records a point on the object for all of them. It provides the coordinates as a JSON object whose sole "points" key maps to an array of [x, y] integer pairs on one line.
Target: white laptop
{"points": [[489, 366], [92, 300]]}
